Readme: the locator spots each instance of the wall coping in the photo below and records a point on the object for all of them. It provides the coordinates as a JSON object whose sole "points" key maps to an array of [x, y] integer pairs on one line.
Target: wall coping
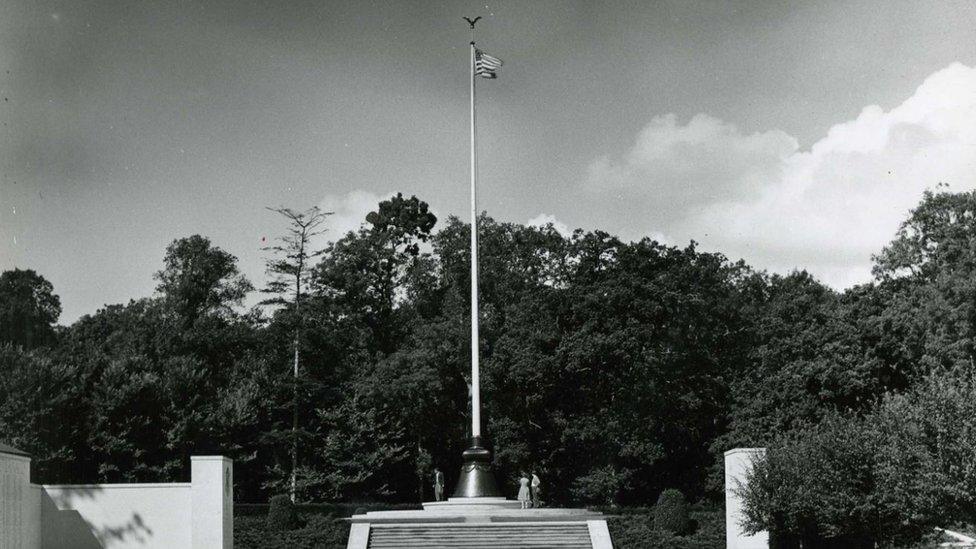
{"points": [[8, 449], [210, 458], [745, 451], [116, 486]]}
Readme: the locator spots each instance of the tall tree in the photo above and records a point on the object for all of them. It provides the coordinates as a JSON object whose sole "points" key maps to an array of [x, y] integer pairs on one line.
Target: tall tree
{"points": [[372, 279], [367, 274], [198, 279], [290, 269], [929, 275], [28, 308]]}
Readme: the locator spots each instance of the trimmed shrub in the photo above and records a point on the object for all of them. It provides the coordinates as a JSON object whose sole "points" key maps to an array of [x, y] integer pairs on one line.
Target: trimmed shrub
{"points": [[281, 514], [635, 531], [671, 513], [321, 532]]}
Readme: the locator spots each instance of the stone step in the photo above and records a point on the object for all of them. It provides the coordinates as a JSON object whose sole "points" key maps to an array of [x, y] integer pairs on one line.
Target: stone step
{"points": [[485, 536]]}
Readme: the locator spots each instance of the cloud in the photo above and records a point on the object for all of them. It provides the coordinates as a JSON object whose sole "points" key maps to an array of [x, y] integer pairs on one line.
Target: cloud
{"points": [[544, 219], [826, 209], [348, 211], [705, 159]]}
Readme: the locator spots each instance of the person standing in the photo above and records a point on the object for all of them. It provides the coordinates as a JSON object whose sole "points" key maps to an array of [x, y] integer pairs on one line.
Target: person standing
{"points": [[523, 494], [536, 487], [438, 485]]}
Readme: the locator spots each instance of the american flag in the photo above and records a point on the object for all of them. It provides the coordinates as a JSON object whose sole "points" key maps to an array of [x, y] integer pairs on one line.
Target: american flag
{"points": [[486, 65]]}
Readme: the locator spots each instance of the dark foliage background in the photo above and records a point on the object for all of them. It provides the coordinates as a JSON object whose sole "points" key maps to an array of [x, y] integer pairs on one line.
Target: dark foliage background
{"points": [[613, 369]]}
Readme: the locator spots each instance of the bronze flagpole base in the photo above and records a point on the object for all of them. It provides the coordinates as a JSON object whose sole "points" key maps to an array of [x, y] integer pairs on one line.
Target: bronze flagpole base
{"points": [[477, 479]]}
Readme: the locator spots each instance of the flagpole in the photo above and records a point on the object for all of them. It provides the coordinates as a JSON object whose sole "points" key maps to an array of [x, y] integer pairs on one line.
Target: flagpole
{"points": [[476, 479], [475, 367]]}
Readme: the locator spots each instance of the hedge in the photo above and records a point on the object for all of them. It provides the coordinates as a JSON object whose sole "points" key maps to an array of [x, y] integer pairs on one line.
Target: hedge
{"points": [[319, 532], [637, 531]]}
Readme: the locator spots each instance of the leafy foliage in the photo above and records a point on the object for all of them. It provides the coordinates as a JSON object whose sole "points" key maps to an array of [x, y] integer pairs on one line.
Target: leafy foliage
{"points": [[199, 279], [671, 513], [281, 514], [889, 476], [28, 309], [636, 530]]}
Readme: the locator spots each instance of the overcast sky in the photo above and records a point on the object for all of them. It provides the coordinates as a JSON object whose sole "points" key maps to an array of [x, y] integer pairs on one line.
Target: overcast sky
{"points": [[792, 134]]}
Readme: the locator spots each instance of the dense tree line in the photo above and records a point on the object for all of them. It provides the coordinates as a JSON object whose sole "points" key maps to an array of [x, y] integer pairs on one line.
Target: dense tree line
{"points": [[893, 457], [615, 369]]}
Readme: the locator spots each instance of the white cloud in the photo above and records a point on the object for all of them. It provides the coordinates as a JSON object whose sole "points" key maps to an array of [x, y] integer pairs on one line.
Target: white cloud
{"points": [[348, 211], [544, 219], [827, 209], [706, 159]]}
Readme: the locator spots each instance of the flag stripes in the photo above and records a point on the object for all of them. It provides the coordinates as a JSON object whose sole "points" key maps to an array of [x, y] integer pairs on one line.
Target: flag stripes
{"points": [[486, 65]]}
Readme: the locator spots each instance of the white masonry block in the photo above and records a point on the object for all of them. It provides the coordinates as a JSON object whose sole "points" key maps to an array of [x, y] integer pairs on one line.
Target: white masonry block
{"points": [[358, 536], [599, 534], [20, 517], [738, 463], [212, 507]]}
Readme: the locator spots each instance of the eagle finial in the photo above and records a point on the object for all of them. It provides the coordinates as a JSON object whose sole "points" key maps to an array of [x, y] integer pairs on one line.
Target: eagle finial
{"points": [[471, 21]]}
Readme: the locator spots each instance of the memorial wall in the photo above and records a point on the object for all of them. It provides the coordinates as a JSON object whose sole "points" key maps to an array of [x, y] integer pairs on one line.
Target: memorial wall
{"points": [[197, 514]]}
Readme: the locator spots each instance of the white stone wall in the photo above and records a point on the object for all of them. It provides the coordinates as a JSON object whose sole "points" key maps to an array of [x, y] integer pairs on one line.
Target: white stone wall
{"points": [[20, 526], [150, 516], [738, 463], [195, 515]]}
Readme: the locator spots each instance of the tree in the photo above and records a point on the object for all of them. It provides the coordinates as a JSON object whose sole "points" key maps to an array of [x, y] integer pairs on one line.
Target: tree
{"points": [[939, 233], [372, 283], [199, 279], [45, 410], [290, 269], [28, 308], [367, 274], [928, 276], [816, 485], [804, 359], [884, 478], [603, 361], [928, 445]]}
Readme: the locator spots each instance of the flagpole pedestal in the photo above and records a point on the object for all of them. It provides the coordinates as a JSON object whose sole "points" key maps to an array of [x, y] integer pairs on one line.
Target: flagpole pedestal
{"points": [[477, 479]]}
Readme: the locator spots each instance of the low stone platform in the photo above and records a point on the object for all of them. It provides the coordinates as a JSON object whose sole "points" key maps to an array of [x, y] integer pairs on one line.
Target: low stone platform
{"points": [[479, 523]]}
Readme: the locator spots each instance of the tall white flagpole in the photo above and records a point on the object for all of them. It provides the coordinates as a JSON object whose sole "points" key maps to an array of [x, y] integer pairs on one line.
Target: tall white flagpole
{"points": [[476, 479], [475, 369]]}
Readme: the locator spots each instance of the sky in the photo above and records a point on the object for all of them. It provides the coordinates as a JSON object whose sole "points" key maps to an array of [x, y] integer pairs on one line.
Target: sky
{"points": [[792, 135]]}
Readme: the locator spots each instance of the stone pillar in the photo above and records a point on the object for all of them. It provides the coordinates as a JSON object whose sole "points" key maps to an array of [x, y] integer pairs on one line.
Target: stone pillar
{"points": [[212, 511], [738, 462], [20, 503]]}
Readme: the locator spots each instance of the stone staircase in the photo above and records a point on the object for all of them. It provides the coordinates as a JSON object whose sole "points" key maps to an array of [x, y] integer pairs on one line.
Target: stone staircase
{"points": [[479, 523], [528, 535]]}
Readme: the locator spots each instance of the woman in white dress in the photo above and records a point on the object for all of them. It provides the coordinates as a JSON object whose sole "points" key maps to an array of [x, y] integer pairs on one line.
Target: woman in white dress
{"points": [[524, 496]]}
